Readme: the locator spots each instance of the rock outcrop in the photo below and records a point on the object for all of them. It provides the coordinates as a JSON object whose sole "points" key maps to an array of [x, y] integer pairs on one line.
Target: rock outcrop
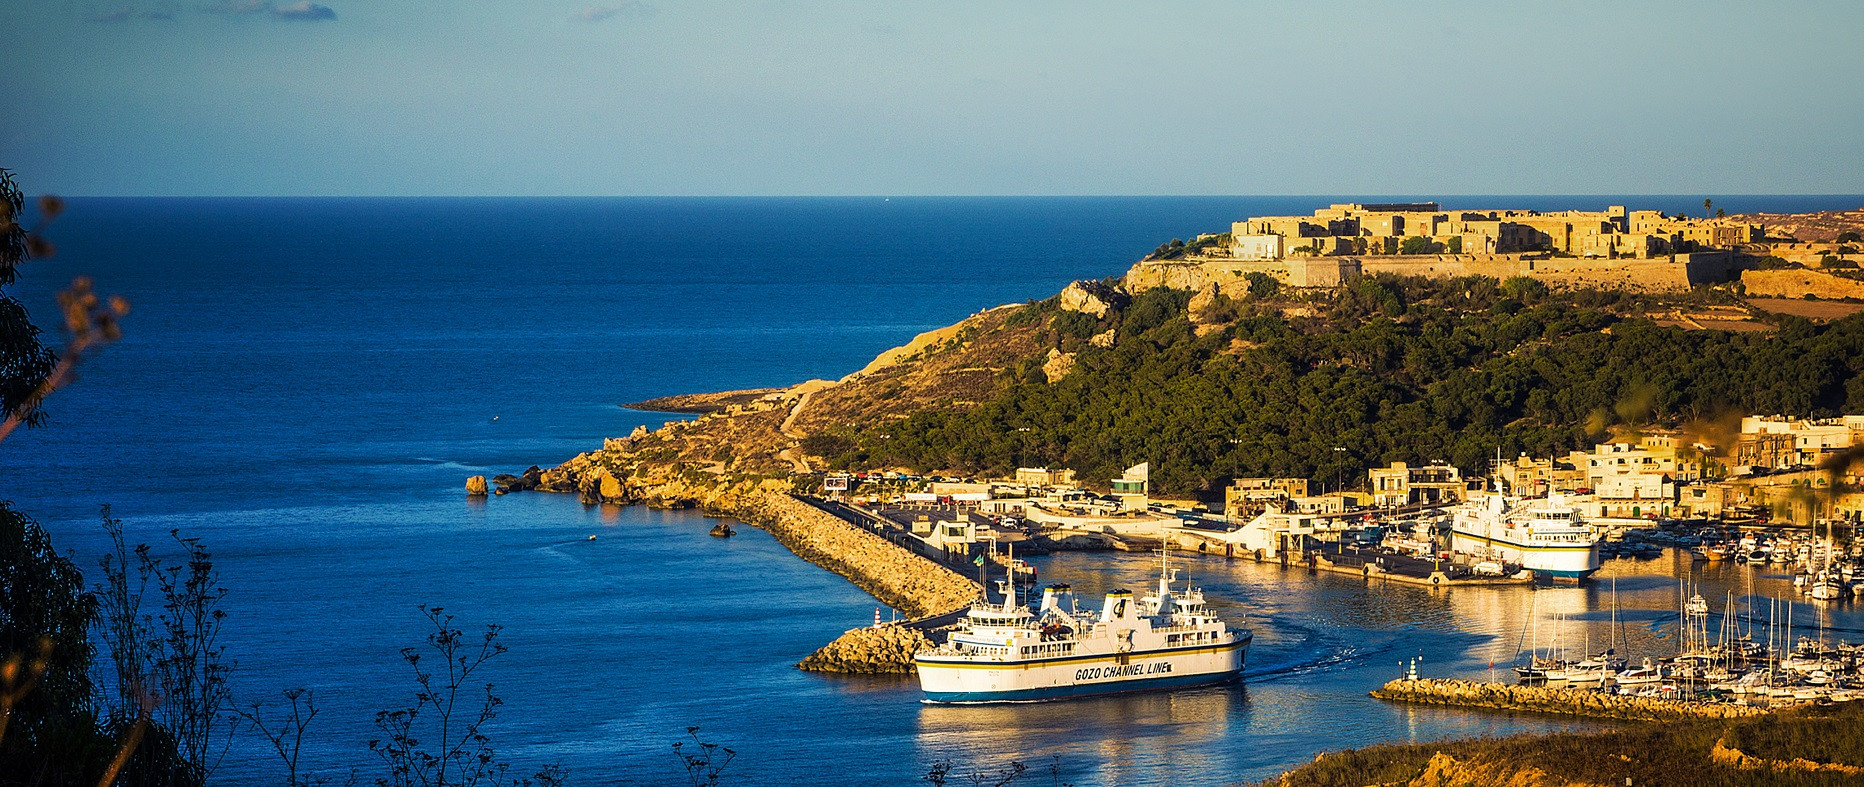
{"points": [[1058, 365], [1092, 298], [508, 483], [1447, 771], [1724, 754], [1794, 283], [871, 650], [1542, 699], [475, 486]]}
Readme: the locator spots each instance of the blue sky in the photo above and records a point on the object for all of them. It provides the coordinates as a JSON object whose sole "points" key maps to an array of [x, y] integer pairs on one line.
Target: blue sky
{"points": [[624, 97]]}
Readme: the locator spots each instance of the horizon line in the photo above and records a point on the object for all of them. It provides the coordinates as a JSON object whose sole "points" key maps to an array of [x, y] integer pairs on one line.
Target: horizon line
{"points": [[1325, 195]]}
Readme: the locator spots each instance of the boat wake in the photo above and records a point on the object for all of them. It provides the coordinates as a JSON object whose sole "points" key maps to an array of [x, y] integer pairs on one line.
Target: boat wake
{"points": [[1314, 656]]}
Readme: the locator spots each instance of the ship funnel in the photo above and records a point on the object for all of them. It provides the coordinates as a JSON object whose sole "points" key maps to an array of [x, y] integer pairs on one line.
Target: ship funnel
{"points": [[1048, 598], [1118, 605]]}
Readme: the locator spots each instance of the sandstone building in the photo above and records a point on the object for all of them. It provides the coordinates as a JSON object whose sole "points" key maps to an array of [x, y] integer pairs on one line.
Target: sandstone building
{"points": [[1610, 248]]}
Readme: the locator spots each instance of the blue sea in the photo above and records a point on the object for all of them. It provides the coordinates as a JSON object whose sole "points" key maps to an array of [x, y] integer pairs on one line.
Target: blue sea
{"points": [[305, 384]]}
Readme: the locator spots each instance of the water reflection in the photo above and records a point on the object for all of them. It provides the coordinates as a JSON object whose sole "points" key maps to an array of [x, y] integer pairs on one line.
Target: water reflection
{"points": [[1115, 740]]}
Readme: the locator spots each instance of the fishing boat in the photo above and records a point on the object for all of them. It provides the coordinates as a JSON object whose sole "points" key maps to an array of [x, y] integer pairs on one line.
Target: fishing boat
{"points": [[1009, 653]]}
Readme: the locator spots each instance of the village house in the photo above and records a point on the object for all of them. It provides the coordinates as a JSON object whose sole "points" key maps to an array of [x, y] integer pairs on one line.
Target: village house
{"points": [[1403, 485]]}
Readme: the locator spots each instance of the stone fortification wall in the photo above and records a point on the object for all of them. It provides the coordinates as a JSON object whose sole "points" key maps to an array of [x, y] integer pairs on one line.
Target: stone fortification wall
{"points": [[1542, 699], [1227, 275], [1801, 283], [1445, 266], [1646, 275], [1659, 275], [1808, 253]]}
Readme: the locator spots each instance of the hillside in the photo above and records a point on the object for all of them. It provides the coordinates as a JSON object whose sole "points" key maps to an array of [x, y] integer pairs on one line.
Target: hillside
{"points": [[1319, 384], [1818, 227], [1815, 746]]}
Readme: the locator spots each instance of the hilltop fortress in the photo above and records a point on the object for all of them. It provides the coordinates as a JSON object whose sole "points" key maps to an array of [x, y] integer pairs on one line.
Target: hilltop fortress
{"points": [[1613, 248]]}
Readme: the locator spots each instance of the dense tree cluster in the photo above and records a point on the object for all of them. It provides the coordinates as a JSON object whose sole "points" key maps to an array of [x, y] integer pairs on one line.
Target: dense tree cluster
{"points": [[1394, 369]]}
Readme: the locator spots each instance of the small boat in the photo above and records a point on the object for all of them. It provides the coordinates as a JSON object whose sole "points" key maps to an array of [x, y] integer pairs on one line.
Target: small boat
{"points": [[1646, 674], [592, 538]]}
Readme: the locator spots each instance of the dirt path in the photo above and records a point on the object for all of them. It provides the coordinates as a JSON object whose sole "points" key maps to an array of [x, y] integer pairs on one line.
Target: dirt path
{"points": [[789, 421]]}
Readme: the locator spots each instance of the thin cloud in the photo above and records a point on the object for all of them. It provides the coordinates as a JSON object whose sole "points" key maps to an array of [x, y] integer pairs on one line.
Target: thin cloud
{"points": [[122, 14], [126, 13], [307, 11], [302, 11], [237, 7], [634, 9]]}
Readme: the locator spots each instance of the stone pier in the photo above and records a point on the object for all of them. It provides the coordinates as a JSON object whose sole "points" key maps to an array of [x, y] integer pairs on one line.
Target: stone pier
{"points": [[1565, 701]]}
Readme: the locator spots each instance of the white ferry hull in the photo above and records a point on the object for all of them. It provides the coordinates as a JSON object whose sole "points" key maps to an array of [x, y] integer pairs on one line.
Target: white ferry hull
{"points": [[947, 680], [1574, 561]]}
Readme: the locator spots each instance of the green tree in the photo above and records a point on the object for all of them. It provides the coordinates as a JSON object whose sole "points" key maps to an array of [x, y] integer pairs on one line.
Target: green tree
{"points": [[1262, 285], [1524, 288], [25, 361], [48, 732], [1415, 245]]}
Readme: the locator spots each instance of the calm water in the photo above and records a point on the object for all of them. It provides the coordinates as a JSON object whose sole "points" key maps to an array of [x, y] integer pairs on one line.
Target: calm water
{"points": [[305, 384]]}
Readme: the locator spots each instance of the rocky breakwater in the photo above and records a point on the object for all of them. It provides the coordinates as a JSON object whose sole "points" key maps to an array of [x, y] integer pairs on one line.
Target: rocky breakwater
{"points": [[873, 650], [1542, 699], [905, 581]]}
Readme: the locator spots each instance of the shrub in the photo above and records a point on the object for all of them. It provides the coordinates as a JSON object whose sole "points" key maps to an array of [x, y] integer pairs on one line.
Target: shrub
{"points": [[1262, 285]]}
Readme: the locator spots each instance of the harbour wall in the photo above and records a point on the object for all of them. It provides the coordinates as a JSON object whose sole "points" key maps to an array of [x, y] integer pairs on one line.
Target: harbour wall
{"points": [[1564, 701], [917, 587]]}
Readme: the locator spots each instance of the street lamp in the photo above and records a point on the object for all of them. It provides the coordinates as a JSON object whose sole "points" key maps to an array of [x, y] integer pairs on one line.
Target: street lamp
{"points": [[1338, 471]]}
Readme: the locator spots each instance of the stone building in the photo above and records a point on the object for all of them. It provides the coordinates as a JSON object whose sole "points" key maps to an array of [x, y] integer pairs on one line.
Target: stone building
{"points": [[1385, 229], [1777, 442], [1401, 484]]}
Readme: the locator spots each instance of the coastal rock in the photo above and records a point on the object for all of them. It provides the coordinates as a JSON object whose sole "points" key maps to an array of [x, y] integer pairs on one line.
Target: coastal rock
{"points": [[519, 483], [722, 530], [1102, 339], [1446, 771], [475, 486], [1091, 297], [609, 488], [1202, 301], [639, 432], [872, 650], [1058, 366]]}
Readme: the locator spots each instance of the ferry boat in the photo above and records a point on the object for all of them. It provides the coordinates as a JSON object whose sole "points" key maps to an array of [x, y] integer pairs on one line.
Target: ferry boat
{"points": [[1545, 535], [1010, 653]]}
